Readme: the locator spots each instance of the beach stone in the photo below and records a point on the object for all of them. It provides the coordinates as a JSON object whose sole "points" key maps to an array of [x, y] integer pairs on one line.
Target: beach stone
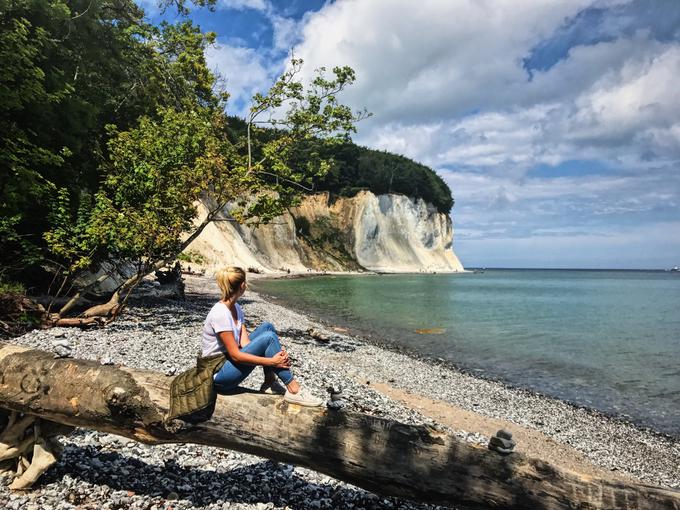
{"points": [[504, 443], [501, 444], [108, 439], [154, 472], [504, 434], [336, 405], [62, 351], [335, 392], [318, 335]]}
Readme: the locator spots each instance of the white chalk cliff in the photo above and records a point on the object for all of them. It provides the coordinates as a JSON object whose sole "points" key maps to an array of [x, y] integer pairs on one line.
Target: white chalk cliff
{"points": [[387, 233]]}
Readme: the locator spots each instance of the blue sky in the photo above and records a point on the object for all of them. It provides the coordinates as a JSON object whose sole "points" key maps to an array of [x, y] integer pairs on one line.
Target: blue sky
{"points": [[556, 123]]}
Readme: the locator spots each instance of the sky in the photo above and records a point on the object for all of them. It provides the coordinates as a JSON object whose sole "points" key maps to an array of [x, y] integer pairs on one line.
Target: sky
{"points": [[556, 123]]}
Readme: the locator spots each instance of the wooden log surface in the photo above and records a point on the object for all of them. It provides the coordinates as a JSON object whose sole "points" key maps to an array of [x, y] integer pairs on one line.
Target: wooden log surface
{"points": [[380, 455]]}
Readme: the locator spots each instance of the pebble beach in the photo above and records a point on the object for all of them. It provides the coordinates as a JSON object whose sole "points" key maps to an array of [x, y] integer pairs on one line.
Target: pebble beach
{"points": [[99, 470]]}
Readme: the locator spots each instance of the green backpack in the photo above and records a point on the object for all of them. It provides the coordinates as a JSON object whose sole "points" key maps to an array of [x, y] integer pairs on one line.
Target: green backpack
{"points": [[192, 395]]}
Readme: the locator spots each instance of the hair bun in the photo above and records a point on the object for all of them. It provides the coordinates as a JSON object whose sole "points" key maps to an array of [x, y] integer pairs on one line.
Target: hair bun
{"points": [[229, 280]]}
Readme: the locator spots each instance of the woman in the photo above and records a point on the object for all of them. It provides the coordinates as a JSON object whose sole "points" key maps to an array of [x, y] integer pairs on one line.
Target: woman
{"points": [[225, 332]]}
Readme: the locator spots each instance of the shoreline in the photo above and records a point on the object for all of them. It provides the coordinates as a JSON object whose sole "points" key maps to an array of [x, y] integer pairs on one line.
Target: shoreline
{"points": [[382, 343], [293, 275], [588, 448], [103, 471]]}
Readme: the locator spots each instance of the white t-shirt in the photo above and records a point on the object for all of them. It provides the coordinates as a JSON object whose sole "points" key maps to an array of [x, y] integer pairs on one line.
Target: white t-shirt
{"points": [[219, 319]]}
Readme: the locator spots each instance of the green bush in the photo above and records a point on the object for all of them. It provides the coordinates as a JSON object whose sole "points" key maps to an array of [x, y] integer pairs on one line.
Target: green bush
{"points": [[191, 257], [351, 191], [11, 288]]}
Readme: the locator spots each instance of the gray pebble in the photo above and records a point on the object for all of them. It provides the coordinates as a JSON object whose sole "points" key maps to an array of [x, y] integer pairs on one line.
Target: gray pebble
{"points": [[61, 351], [100, 468]]}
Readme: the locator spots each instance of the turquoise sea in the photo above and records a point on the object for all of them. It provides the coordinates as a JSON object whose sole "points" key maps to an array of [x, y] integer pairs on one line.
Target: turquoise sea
{"points": [[609, 340]]}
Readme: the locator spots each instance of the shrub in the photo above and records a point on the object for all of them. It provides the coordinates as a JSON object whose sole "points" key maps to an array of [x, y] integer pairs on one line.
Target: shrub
{"points": [[191, 257]]}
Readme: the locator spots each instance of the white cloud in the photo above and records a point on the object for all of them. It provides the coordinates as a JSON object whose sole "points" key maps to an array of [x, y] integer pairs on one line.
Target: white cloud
{"points": [[149, 6], [243, 70], [285, 29], [422, 60], [639, 247], [447, 83], [258, 5], [600, 206], [635, 102], [621, 116], [286, 32]]}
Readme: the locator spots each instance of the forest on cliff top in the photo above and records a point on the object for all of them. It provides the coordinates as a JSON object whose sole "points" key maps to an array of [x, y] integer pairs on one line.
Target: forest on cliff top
{"points": [[354, 168]]}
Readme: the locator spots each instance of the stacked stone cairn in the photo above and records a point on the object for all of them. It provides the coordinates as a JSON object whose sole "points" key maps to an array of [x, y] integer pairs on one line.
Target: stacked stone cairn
{"points": [[502, 442]]}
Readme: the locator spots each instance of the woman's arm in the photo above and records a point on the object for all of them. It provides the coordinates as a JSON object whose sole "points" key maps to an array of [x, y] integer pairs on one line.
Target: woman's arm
{"points": [[280, 359]]}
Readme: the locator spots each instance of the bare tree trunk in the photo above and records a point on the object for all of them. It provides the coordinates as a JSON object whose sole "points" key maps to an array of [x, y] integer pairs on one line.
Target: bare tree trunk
{"points": [[380, 455], [206, 221], [68, 322], [105, 309]]}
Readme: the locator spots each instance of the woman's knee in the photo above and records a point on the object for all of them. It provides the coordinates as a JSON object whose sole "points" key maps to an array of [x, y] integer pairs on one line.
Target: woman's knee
{"points": [[273, 343], [231, 375], [272, 337], [268, 326]]}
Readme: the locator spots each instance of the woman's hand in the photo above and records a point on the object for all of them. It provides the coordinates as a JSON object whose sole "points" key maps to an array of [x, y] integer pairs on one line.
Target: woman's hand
{"points": [[281, 359]]}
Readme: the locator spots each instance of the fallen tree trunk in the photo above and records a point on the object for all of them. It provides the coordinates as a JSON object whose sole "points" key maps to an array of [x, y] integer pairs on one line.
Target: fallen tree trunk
{"points": [[380, 455]]}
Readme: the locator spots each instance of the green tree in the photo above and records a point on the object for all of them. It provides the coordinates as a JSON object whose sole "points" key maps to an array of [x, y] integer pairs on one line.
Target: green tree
{"points": [[356, 168], [290, 133], [106, 147], [157, 172], [69, 68], [154, 175]]}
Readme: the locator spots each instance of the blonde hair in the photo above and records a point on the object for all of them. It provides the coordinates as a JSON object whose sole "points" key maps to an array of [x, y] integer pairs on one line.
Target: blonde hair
{"points": [[230, 280]]}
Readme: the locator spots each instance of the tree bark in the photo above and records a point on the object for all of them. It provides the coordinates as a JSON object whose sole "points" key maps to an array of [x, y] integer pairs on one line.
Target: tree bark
{"points": [[113, 307], [77, 322], [380, 455]]}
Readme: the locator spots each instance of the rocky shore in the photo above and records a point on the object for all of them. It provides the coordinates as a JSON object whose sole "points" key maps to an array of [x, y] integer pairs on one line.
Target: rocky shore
{"points": [[103, 471]]}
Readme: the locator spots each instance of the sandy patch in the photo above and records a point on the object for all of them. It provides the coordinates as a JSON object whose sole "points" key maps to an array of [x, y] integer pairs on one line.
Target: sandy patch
{"points": [[529, 441]]}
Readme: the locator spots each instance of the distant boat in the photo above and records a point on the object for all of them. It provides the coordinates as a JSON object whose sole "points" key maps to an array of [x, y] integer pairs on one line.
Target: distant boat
{"points": [[674, 269]]}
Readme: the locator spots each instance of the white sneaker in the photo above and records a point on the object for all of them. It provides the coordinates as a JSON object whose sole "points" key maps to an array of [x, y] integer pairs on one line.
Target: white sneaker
{"points": [[302, 398], [273, 388]]}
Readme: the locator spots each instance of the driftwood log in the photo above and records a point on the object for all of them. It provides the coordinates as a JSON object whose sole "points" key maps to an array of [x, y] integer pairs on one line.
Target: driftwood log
{"points": [[377, 454]]}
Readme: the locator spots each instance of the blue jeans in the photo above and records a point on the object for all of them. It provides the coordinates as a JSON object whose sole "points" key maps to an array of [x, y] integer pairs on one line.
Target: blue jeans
{"points": [[263, 342]]}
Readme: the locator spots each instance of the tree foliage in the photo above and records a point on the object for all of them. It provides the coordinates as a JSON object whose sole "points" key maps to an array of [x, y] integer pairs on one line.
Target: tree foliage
{"points": [[69, 69], [351, 168], [290, 133], [154, 174], [112, 129]]}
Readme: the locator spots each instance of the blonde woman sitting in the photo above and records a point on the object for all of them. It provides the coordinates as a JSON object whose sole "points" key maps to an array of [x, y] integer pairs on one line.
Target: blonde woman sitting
{"points": [[225, 332]]}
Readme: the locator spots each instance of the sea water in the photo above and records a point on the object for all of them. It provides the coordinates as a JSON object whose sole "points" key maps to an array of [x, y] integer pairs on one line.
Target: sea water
{"points": [[608, 340]]}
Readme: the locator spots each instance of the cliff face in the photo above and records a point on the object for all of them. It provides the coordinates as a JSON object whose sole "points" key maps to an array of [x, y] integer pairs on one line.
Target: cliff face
{"points": [[390, 233]]}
